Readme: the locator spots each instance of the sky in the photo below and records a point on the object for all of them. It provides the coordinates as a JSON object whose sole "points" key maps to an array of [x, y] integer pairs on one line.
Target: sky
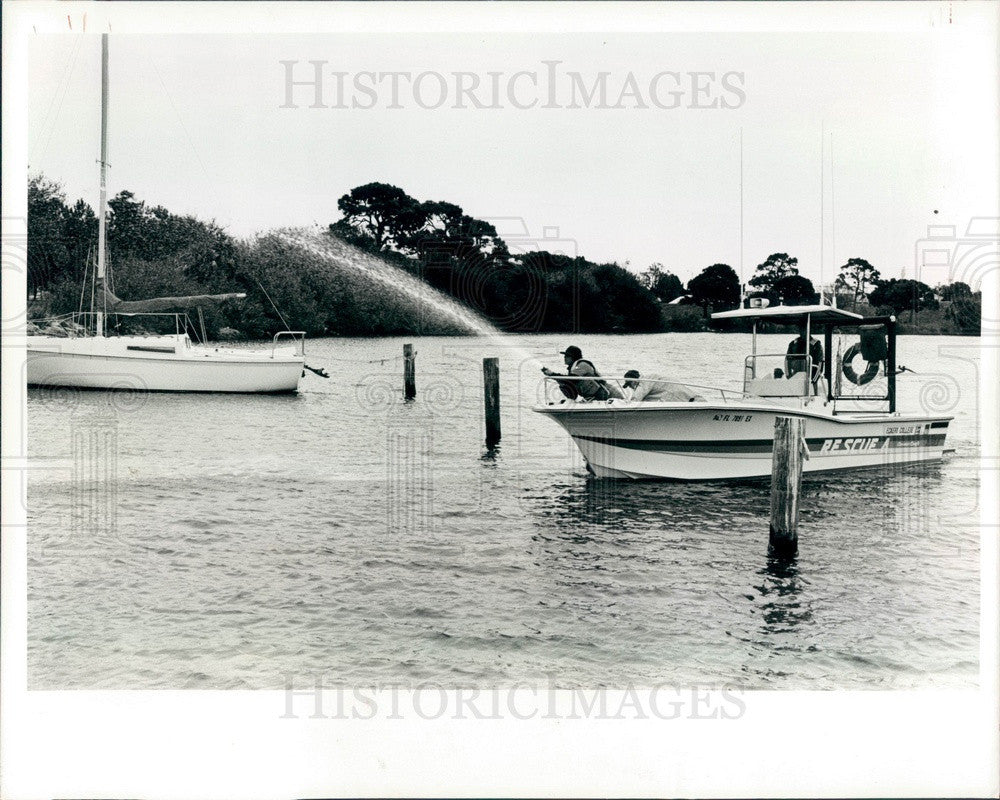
{"points": [[853, 142], [907, 91]]}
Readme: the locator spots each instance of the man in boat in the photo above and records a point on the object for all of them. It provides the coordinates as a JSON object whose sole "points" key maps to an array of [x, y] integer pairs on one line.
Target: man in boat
{"points": [[795, 361], [656, 388], [578, 366]]}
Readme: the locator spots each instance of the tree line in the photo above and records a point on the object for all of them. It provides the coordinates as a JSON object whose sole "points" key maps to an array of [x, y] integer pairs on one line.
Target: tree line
{"points": [[519, 286], [859, 286], [154, 252]]}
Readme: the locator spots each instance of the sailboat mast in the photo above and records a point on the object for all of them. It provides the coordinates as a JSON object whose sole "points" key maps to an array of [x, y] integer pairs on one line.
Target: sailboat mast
{"points": [[102, 214]]}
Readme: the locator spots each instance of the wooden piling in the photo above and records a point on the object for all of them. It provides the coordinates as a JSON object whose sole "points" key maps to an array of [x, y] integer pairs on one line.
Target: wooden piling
{"points": [[491, 399], [786, 481], [409, 372]]}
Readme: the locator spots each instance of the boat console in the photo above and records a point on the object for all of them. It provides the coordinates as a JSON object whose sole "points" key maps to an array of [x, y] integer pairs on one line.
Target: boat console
{"points": [[796, 386]]}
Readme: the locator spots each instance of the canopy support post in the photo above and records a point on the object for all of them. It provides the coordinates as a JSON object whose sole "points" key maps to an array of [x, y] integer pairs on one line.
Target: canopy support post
{"points": [[828, 366], [890, 329]]}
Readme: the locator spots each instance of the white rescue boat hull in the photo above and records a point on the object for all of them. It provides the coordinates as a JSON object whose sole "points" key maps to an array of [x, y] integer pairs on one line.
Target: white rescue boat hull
{"points": [[726, 441]]}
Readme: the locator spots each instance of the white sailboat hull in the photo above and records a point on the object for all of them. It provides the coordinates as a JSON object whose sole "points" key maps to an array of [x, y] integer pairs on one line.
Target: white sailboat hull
{"points": [[159, 364], [732, 440]]}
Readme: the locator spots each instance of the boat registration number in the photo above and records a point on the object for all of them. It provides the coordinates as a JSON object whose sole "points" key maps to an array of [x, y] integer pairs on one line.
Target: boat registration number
{"points": [[732, 417]]}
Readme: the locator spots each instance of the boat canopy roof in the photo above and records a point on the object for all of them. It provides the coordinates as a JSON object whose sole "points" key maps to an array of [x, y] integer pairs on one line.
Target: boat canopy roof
{"points": [[789, 315]]}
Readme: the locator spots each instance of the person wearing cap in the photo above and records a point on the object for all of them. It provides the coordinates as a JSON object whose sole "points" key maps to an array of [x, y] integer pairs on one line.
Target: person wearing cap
{"points": [[578, 366], [656, 388], [795, 361]]}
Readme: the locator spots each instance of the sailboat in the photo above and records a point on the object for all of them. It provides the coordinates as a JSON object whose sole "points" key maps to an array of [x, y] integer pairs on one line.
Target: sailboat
{"points": [[77, 351]]}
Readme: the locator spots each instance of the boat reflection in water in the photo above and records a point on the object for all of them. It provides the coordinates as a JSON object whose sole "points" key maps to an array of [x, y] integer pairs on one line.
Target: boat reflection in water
{"points": [[682, 572]]}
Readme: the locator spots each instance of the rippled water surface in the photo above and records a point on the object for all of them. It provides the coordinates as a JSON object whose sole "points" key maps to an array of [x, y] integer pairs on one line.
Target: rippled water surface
{"points": [[235, 541]]}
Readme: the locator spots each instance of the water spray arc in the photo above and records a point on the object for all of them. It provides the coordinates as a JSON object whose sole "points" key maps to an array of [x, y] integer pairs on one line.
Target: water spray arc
{"points": [[395, 280]]}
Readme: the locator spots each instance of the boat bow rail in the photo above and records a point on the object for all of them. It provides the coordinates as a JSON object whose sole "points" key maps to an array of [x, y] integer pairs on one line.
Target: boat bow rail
{"points": [[297, 339], [84, 323], [716, 394]]}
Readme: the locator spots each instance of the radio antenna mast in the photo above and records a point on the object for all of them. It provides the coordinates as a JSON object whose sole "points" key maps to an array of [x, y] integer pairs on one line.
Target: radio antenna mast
{"points": [[833, 223], [742, 285], [822, 208]]}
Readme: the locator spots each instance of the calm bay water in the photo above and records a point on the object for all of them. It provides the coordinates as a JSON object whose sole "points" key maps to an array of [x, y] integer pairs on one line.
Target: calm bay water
{"points": [[235, 542]]}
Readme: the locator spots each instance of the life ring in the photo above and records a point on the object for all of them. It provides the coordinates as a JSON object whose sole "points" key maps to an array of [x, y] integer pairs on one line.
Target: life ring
{"points": [[867, 376]]}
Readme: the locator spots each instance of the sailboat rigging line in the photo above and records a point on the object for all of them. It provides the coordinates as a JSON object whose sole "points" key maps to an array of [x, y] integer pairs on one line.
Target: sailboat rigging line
{"points": [[109, 273], [93, 289], [180, 120], [64, 87], [201, 322], [283, 320], [86, 272]]}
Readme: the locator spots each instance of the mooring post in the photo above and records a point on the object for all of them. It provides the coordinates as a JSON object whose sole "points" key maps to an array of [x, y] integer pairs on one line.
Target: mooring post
{"points": [[786, 481], [491, 399], [409, 372]]}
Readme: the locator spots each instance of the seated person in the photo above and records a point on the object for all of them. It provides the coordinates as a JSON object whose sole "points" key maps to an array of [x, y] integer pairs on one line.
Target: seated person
{"points": [[656, 388], [577, 365], [797, 347]]}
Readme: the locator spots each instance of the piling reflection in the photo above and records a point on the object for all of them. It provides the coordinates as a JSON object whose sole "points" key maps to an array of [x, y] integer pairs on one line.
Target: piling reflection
{"points": [[658, 564], [491, 455], [628, 506], [780, 591], [608, 548]]}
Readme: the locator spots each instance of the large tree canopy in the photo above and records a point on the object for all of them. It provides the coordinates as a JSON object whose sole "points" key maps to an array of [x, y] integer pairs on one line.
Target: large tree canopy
{"points": [[665, 285], [858, 277], [716, 287], [59, 236], [775, 267], [445, 228], [900, 295], [965, 308], [384, 212], [468, 259], [954, 291], [794, 290]]}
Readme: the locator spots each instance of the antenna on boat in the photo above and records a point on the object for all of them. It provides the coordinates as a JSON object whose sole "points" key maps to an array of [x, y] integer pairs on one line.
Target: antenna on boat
{"points": [[822, 208], [742, 285], [103, 213], [833, 224]]}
